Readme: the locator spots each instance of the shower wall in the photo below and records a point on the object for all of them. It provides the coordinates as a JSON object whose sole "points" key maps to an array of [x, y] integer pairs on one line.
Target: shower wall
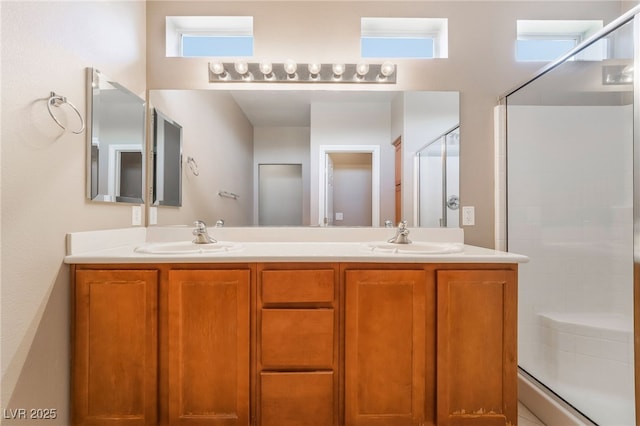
{"points": [[570, 198]]}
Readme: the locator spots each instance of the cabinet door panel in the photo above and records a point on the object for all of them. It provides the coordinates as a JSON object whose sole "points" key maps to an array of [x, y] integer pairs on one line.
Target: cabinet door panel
{"points": [[477, 347], [295, 399], [115, 350], [385, 347], [209, 347], [297, 338]]}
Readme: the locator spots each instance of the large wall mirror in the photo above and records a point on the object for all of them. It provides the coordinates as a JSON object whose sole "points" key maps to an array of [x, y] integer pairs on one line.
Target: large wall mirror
{"points": [[272, 148], [115, 141]]}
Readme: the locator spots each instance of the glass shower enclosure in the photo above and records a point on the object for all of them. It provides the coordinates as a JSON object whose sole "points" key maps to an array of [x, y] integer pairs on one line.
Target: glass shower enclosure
{"points": [[438, 164], [572, 149]]}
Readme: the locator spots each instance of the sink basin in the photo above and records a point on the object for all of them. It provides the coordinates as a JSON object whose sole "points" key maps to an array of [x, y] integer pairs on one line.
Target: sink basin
{"points": [[414, 247], [187, 247]]}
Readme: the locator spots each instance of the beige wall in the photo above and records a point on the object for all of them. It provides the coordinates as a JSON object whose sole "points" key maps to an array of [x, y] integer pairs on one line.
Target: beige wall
{"points": [[481, 61], [46, 46], [219, 137]]}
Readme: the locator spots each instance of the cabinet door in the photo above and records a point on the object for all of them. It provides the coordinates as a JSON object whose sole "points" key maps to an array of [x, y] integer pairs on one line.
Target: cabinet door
{"points": [[385, 347], [208, 344], [476, 340], [115, 347]]}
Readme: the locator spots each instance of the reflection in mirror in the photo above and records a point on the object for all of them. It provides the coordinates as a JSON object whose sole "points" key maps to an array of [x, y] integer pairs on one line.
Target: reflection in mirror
{"points": [[236, 134], [438, 184], [115, 138], [167, 161]]}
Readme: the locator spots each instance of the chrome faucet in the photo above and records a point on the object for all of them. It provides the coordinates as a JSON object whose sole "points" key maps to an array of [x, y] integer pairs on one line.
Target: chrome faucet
{"points": [[202, 236], [402, 234]]}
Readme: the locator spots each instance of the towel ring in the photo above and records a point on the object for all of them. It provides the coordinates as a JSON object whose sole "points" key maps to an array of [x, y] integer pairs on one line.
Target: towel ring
{"points": [[58, 100]]}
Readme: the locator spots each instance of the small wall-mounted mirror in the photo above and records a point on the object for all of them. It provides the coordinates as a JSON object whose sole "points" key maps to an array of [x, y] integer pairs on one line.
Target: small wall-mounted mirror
{"points": [[115, 139], [167, 161]]}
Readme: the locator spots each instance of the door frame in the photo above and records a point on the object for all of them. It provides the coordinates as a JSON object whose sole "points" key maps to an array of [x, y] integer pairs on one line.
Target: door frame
{"points": [[374, 150]]}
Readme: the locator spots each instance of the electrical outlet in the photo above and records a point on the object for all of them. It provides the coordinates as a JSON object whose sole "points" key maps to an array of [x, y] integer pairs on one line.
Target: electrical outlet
{"points": [[136, 215], [468, 216], [339, 216]]}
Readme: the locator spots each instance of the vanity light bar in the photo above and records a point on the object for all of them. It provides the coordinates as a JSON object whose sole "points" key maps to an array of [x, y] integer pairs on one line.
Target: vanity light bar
{"points": [[291, 72]]}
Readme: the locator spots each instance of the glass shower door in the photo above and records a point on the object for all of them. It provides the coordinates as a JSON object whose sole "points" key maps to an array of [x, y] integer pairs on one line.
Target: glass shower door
{"points": [[438, 181], [570, 195]]}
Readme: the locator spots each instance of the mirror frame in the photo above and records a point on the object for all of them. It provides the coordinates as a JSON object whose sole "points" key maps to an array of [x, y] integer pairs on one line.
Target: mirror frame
{"points": [[94, 77]]}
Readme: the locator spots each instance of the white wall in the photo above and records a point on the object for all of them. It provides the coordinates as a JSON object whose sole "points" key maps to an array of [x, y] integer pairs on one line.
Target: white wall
{"points": [[47, 46], [216, 133], [282, 145], [354, 124]]}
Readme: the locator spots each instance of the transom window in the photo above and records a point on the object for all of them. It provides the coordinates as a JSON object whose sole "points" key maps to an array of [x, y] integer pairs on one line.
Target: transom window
{"points": [[546, 40], [404, 38], [209, 36]]}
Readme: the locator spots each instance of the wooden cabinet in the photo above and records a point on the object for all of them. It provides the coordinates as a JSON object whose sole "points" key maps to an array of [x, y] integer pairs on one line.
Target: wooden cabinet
{"points": [[208, 347], [283, 344], [298, 345], [164, 346], [114, 373], [477, 362], [388, 329]]}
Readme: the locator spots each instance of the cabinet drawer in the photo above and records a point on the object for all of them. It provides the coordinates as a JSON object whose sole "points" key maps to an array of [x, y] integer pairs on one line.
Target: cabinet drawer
{"points": [[293, 399], [298, 286], [297, 338]]}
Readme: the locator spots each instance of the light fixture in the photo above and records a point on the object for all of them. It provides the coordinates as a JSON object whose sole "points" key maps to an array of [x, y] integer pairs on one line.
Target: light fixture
{"points": [[242, 68], [314, 70], [266, 69], [362, 70], [617, 74], [217, 68], [290, 67], [292, 72], [386, 70], [338, 70]]}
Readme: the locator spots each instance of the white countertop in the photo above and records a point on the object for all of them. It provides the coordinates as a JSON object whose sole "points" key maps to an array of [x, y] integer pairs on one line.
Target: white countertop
{"points": [[274, 245]]}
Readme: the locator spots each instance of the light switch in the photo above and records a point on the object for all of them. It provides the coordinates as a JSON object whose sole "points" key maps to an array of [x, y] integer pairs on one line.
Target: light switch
{"points": [[153, 215], [136, 215]]}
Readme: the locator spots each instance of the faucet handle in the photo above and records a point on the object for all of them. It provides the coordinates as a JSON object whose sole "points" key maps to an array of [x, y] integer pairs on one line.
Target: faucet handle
{"points": [[200, 226]]}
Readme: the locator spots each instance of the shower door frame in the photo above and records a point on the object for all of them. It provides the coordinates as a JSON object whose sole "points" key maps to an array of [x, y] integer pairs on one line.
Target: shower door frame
{"points": [[633, 15], [636, 206]]}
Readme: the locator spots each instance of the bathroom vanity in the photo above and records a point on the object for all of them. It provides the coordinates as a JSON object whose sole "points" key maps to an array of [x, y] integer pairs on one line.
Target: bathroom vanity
{"points": [[291, 333]]}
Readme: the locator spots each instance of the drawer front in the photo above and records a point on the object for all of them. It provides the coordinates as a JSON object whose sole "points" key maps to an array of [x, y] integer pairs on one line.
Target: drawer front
{"points": [[298, 286], [297, 338], [294, 399]]}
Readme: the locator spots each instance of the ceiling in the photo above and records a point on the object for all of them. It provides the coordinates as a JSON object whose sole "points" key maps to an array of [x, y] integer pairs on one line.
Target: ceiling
{"points": [[292, 108]]}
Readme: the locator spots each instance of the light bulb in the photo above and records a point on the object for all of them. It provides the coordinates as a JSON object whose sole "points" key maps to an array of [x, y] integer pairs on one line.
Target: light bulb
{"points": [[387, 68], [290, 68], [314, 69], [362, 70], [241, 67], [338, 70], [265, 68], [218, 69]]}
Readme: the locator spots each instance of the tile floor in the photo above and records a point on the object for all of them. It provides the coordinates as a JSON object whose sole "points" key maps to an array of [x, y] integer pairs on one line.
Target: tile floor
{"points": [[526, 418]]}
